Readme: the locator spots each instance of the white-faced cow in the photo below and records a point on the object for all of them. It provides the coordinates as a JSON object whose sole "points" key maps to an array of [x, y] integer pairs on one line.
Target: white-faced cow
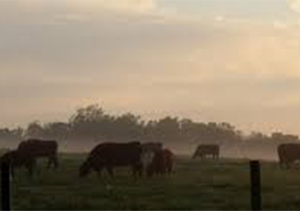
{"points": [[149, 150]]}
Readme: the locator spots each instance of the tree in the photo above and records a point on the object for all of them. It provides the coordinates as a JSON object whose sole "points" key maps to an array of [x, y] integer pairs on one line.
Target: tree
{"points": [[35, 130], [57, 130]]}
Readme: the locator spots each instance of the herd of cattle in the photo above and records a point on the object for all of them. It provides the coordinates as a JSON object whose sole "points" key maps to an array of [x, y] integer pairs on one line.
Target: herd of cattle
{"points": [[147, 158]]}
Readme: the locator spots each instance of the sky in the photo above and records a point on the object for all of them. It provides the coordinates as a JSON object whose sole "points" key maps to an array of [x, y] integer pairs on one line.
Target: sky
{"points": [[231, 61]]}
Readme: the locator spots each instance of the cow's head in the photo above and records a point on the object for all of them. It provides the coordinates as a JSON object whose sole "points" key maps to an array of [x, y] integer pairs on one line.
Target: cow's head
{"points": [[84, 169]]}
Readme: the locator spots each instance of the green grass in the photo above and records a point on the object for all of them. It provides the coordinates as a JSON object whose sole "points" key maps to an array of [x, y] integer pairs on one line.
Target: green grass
{"points": [[196, 185]]}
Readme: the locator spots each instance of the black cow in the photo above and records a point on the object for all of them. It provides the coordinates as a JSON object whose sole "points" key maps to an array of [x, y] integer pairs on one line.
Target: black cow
{"points": [[110, 155], [16, 159], [40, 149]]}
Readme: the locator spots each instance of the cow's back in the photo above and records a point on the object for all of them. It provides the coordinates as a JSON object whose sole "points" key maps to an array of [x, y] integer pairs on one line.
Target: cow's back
{"points": [[117, 154], [209, 149], [38, 147]]}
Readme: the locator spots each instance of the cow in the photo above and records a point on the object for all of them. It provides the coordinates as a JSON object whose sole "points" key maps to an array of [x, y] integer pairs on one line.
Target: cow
{"points": [[148, 151], [111, 155], [288, 154], [41, 149], [161, 164], [16, 159], [203, 151]]}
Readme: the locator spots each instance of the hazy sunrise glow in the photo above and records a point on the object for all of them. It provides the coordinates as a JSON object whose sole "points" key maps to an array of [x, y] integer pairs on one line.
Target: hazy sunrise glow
{"points": [[234, 61]]}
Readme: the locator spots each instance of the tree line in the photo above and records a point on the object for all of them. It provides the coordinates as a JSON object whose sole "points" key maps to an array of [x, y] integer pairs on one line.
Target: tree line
{"points": [[92, 123]]}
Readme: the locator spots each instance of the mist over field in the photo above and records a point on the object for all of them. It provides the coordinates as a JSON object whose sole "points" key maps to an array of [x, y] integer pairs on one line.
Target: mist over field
{"points": [[92, 125]]}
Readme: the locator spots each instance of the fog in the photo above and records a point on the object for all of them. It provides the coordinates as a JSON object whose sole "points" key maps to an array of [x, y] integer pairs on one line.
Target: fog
{"points": [[92, 125], [237, 151]]}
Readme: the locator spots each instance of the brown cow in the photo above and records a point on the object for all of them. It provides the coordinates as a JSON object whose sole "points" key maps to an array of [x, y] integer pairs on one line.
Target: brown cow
{"points": [[41, 148], [161, 164], [16, 159], [110, 155], [288, 154], [203, 151]]}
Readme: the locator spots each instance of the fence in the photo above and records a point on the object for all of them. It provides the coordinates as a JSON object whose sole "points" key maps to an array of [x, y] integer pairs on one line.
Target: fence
{"points": [[5, 187]]}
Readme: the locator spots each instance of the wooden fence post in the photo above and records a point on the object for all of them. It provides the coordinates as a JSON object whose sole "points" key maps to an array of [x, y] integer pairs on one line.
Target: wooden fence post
{"points": [[5, 187], [255, 185]]}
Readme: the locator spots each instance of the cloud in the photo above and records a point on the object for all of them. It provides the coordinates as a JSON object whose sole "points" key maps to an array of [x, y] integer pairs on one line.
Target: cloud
{"points": [[124, 54], [294, 5], [86, 5]]}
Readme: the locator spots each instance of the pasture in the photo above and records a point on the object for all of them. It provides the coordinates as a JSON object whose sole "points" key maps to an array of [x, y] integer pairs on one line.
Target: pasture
{"points": [[196, 185]]}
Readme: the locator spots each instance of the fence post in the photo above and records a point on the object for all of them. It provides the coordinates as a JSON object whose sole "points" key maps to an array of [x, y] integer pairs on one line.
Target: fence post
{"points": [[255, 185], [5, 187]]}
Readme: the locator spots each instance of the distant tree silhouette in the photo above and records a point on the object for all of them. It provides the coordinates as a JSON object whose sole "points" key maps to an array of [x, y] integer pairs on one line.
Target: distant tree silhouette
{"points": [[34, 130], [11, 134], [92, 123], [56, 130]]}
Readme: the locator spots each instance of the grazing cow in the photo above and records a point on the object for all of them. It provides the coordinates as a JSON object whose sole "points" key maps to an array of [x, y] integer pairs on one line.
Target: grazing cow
{"points": [[110, 155], [162, 163], [204, 151], [40, 149], [288, 154], [148, 151], [16, 159]]}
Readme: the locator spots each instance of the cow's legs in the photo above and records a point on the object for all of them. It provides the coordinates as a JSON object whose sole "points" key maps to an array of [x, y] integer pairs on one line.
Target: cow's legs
{"points": [[110, 171], [137, 170], [30, 169], [149, 171], [55, 161], [52, 160], [170, 168], [12, 171], [49, 162], [99, 171], [281, 164]]}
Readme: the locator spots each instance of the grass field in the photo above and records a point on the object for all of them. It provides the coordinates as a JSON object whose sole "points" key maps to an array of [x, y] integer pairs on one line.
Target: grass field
{"points": [[196, 185]]}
